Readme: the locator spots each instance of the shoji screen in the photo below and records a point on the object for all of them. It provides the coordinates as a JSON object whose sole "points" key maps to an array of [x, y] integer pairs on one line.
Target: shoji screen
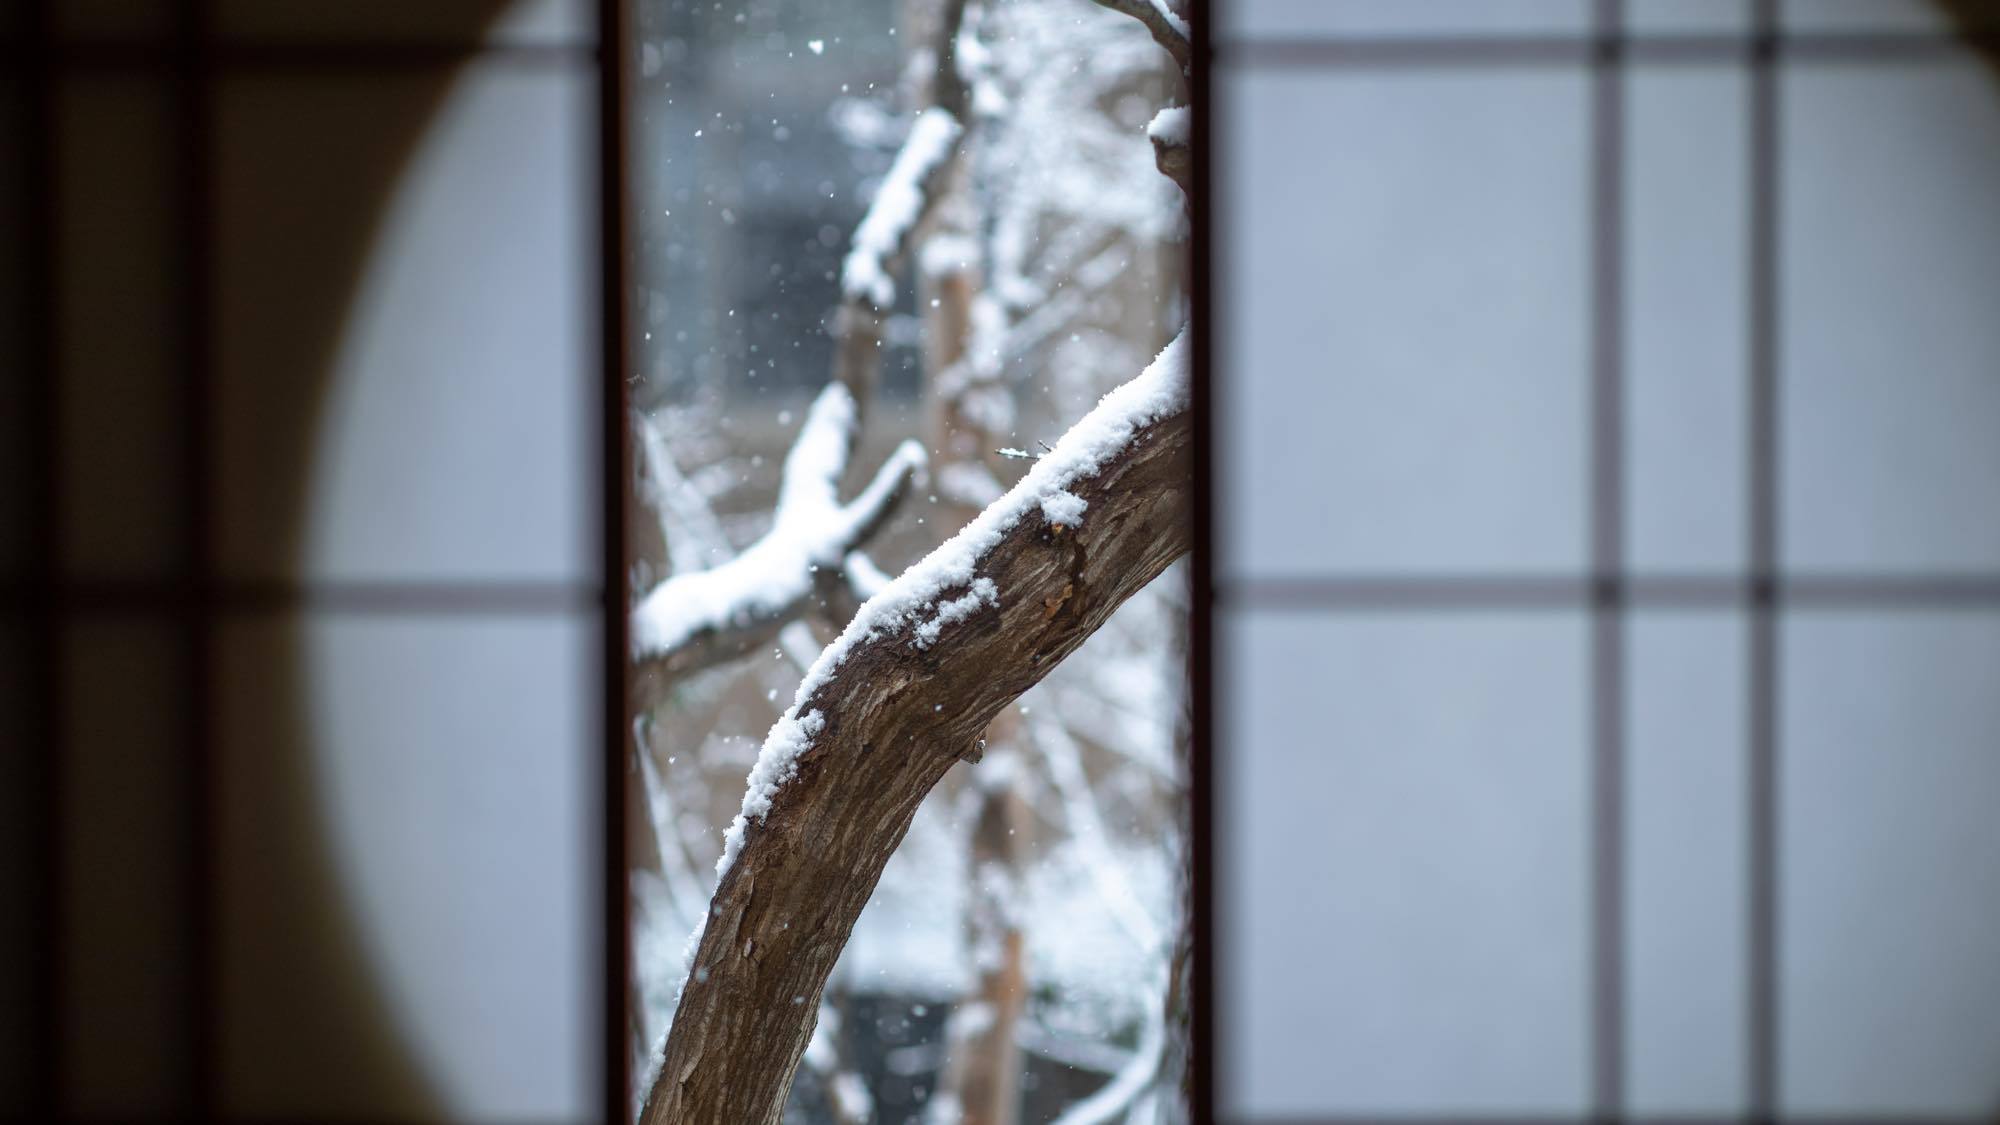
{"points": [[1608, 589], [302, 396]]}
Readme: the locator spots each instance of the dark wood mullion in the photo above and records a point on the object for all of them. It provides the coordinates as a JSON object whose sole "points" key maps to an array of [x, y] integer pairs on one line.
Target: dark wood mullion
{"points": [[614, 252], [1202, 795], [46, 687], [194, 80]]}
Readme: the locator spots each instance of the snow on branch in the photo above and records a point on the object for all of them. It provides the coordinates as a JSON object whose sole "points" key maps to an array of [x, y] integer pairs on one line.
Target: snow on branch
{"points": [[915, 604], [1170, 131], [1169, 30], [696, 619], [899, 203], [692, 534]]}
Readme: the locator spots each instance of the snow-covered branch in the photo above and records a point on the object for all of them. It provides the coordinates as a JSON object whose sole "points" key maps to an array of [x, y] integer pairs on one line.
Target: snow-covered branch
{"points": [[1170, 131], [904, 199], [881, 717], [697, 619], [687, 525], [900, 202], [916, 607]]}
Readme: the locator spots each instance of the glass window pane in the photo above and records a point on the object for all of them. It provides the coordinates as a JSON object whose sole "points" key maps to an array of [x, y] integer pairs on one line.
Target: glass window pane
{"points": [[1891, 257], [1402, 322], [1687, 16], [126, 1005], [1017, 953], [1685, 302], [1403, 883], [1887, 15], [1280, 19], [433, 21], [407, 849], [439, 426], [1890, 850], [114, 18], [123, 390], [1686, 802]]}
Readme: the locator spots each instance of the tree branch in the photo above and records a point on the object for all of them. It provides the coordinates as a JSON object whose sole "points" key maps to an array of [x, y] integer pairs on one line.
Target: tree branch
{"points": [[908, 193], [948, 87], [687, 527], [1172, 152], [883, 238], [889, 707], [1169, 30], [692, 621]]}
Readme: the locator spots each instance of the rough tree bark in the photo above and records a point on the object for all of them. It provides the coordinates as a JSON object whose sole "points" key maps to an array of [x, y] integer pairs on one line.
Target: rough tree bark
{"points": [[896, 718]]}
